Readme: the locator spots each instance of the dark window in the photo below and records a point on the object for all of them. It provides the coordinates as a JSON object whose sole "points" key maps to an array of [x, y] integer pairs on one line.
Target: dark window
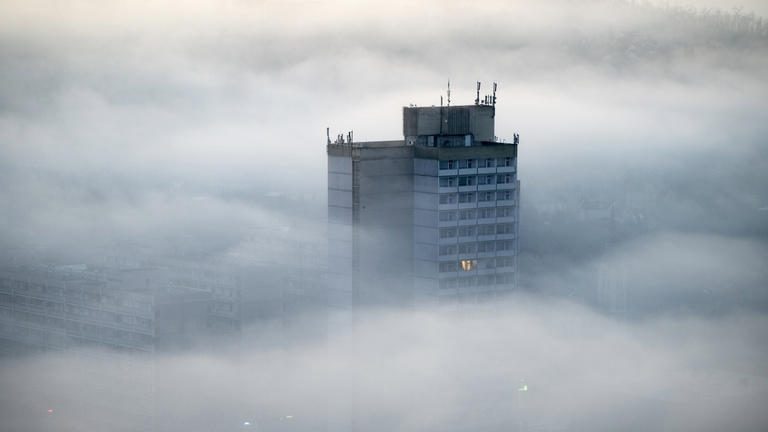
{"points": [[447, 181], [447, 232], [448, 198], [448, 215], [486, 229]]}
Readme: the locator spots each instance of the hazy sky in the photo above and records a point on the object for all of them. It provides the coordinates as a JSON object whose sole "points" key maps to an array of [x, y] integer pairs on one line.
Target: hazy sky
{"points": [[156, 120], [123, 114]]}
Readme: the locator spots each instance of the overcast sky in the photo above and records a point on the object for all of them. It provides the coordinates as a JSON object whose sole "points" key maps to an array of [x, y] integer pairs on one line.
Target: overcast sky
{"points": [[117, 118], [125, 120]]}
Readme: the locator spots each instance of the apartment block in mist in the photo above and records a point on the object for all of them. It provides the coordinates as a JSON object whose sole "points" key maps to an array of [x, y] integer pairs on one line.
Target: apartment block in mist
{"points": [[124, 315], [433, 215]]}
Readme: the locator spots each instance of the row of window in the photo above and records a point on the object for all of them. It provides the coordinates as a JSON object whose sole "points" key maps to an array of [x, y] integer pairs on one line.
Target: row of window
{"points": [[487, 179], [479, 213], [475, 247], [470, 197], [72, 311], [77, 294], [466, 265], [481, 230], [75, 328], [482, 280], [477, 163]]}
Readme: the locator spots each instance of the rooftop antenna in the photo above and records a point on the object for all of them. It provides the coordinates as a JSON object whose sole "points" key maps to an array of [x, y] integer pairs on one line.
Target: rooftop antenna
{"points": [[477, 99], [494, 94], [441, 101], [449, 92], [328, 134]]}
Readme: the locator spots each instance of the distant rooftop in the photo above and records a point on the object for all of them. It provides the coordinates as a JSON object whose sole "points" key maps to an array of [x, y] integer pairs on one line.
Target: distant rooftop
{"points": [[440, 126]]}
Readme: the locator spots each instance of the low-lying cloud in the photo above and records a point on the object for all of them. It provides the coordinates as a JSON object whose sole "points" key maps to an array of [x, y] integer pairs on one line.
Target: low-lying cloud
{"points": [[519, 363], [156, 125]]}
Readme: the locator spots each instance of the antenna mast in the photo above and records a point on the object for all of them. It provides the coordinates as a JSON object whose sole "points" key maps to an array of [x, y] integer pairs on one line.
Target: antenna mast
{"points": [[449, 92], [477, 99]]}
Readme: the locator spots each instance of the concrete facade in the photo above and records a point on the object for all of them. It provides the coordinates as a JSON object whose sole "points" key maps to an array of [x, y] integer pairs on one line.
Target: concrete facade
{"points": [[432, 216]]}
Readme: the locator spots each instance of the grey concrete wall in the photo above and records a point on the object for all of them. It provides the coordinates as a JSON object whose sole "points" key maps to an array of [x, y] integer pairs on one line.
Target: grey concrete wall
{"points": [[340, 231], [477, 120], [385, 223], [425, 222]]}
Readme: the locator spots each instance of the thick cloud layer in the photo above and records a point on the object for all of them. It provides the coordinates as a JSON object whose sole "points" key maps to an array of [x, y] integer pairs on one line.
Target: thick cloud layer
{"points": [[124, 123], [524, 364]]}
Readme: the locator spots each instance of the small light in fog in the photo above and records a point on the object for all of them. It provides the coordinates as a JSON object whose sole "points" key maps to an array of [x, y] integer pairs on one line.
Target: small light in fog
{"points": [[468, 265], [246, 423], [289, 417], [524, 388], [50, 410]]}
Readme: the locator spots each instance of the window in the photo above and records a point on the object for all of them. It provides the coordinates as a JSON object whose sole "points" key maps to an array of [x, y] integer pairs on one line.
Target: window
{"points": [[485, 213], [486, 246], [486, 279], [467, 181], [448, 164], [448, 198], [468, 264], [504, 179], [486, 196], [467, 214], [486, 179], [504, 195], [466, 231], [487, 163], [504, 228], [486, 229], [467, 197], [447, 181], [467, 248], [507, 162], [447, 232], [447, 250], [506, 261], [503, 245], [446, 267], [448, 215], [487, 263], [466, 163], [504, 211]]}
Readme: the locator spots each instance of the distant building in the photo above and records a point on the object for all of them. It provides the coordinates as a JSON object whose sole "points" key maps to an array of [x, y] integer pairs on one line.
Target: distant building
{"points": [[434, 215], [123, 315]]}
